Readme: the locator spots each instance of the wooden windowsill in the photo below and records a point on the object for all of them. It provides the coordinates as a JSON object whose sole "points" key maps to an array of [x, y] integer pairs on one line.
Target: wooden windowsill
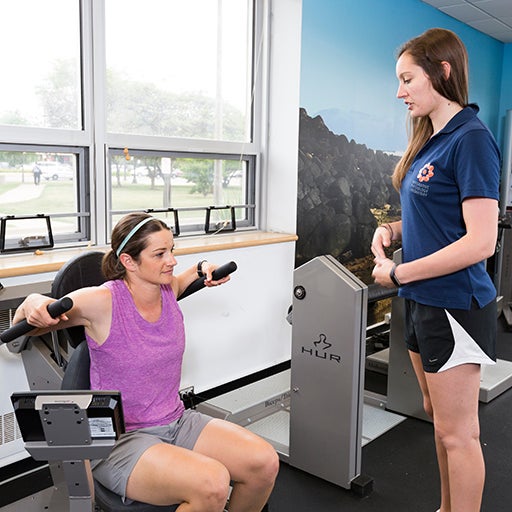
{"points": [[51, 260]]}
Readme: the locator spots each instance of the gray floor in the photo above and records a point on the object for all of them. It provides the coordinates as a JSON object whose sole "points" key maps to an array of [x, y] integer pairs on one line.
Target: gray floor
{"points": [[403, 466]]}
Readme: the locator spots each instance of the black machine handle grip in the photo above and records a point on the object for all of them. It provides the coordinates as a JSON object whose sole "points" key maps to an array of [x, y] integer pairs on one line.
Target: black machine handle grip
{"points": [[65, 304], [55, 309], [217, 274]]}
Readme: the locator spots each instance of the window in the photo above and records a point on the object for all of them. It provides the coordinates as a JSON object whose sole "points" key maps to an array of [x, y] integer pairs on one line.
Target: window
{"points": [[202, 192], [124, 105], [36, 181], [166, 77], [41, 84]]}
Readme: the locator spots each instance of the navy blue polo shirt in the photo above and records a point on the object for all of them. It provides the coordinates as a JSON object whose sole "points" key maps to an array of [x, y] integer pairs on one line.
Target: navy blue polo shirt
{"points": [[459, 162]]}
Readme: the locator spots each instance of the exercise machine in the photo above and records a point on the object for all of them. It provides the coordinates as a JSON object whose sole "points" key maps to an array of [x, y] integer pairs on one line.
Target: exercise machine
{"points": [[316, 414], [67, 427], [503, 279]]}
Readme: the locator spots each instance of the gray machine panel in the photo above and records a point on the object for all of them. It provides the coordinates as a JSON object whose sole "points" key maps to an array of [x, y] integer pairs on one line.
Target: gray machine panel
{"points": [[327, 372], [404, 394]]}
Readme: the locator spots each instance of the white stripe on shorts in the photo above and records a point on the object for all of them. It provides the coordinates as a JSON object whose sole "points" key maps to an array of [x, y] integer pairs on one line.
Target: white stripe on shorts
{"points": [[466, 350]]}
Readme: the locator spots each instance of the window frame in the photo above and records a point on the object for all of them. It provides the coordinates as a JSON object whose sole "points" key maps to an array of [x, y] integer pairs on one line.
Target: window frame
{"points": [[247, 222], [82, 189], [93, 141]]}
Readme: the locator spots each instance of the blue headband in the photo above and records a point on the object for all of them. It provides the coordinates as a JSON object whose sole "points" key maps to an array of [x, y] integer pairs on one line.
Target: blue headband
{"points": [[131, 233]]}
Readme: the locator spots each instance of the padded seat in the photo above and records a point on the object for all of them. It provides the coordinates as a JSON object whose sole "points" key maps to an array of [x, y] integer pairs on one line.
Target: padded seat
{"points": [[111, 502]]}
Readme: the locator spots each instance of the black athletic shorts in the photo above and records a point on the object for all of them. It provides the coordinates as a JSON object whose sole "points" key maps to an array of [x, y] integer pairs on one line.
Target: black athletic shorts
{"points": [[445, 338]]}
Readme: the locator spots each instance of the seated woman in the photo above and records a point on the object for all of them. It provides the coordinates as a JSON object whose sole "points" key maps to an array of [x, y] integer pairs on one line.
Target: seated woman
{"points": [[136, 338]]}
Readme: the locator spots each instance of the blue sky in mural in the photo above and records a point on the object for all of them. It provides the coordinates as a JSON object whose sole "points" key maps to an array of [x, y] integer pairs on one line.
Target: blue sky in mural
{"points": [[348, 72], [348, 64]]}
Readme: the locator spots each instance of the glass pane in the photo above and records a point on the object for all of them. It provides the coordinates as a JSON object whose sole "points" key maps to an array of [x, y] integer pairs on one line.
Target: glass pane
{"points": [[183, 70], [25, 233], [40, 43], [142, 181], [40, 183]]}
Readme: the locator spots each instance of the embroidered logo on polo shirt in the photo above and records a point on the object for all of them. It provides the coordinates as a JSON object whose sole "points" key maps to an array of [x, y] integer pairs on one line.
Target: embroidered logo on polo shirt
{"points": [[425, 173]]}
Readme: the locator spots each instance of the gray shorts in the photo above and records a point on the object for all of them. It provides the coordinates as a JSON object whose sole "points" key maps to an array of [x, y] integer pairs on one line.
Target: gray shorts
{"points": [[113, 472]]}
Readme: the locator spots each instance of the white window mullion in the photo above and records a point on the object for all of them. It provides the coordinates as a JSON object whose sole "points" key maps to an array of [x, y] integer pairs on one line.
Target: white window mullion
{"points": [[98, 155]]}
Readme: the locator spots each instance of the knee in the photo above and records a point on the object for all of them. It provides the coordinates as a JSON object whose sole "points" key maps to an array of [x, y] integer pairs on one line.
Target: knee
{"points": [[264, 465], [271, 464], [457, 438], [213, 485]]}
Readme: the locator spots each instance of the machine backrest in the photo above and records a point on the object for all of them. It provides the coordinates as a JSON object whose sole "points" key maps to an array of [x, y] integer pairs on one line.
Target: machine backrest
{"points": [[81, 271], [76, 375]]}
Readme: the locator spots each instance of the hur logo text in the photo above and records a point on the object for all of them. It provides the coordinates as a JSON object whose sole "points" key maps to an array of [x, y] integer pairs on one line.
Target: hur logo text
{"points": [[321, 350]]}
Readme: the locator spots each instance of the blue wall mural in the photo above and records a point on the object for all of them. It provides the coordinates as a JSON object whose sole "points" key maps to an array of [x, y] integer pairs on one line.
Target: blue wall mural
{"points": [[352, 127]]}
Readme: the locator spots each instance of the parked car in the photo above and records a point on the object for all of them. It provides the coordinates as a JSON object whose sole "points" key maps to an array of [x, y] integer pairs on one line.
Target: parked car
{"points": [[54, 171]]}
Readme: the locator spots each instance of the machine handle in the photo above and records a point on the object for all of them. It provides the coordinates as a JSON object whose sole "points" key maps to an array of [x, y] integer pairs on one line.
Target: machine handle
{"points": [[65, 304], [55, 309], [217, 274]]}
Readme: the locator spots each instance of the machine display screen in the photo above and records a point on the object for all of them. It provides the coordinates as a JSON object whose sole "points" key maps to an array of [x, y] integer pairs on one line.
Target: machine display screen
{"points": [[103, 409]]}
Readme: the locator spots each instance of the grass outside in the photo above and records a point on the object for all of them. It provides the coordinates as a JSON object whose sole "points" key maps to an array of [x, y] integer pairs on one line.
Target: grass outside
{"points": [[60, 197]]}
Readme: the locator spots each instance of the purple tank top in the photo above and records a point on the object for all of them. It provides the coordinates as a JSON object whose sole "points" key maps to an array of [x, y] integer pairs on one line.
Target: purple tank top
{"points": [[141, 359]]}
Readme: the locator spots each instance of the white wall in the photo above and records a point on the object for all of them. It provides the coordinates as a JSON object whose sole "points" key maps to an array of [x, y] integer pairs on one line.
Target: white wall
{"points": [[281, 138], [240, 327], [12, 378]]}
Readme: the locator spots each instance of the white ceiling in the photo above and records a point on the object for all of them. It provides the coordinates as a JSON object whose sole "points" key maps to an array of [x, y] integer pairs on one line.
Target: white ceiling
{"points": [[492, 17]]}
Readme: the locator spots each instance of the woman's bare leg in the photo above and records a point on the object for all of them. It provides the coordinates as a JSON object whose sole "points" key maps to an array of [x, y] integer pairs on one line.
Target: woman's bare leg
{"points": [[252, 463], [454, 396], [167, 474], [440, 451]]}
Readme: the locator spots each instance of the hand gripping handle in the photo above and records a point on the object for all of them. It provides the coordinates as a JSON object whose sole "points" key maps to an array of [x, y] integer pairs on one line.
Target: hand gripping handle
{"points": [[55, 309], [217, 274], [65, 304]]}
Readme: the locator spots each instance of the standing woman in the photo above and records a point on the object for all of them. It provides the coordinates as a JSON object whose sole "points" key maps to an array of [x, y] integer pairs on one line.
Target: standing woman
{"points": [[136, 338], [448, 179]]}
